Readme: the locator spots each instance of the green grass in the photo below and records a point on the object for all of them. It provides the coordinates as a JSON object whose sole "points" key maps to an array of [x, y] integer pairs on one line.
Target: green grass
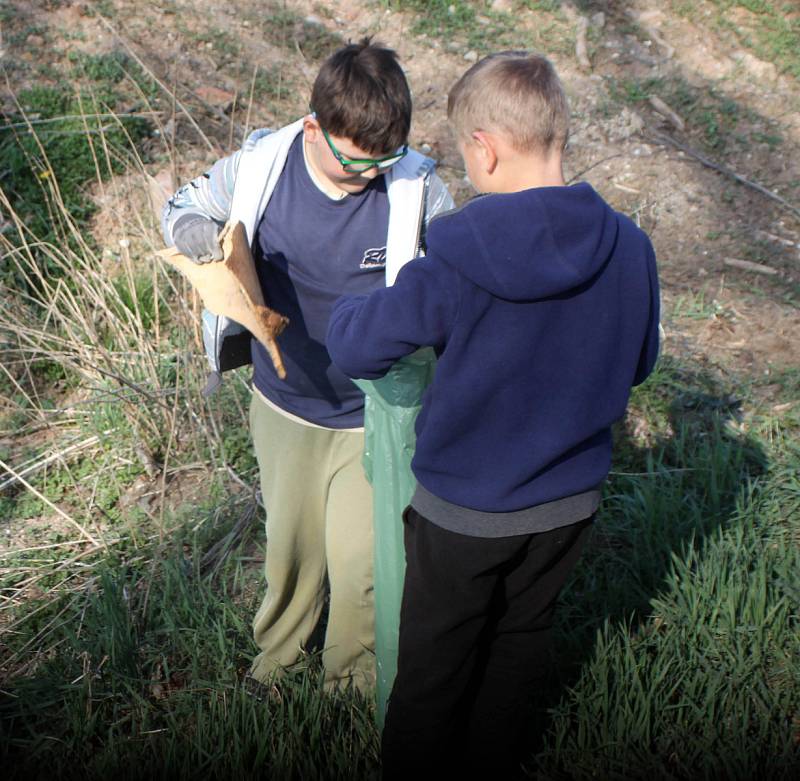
{"points": [[770, 29], [151, 651], [772, 32], [283, 27], [687, 599], [472, 25], [695, 306], [718, 122], [63, 138], [677, 640], [707, 685]]}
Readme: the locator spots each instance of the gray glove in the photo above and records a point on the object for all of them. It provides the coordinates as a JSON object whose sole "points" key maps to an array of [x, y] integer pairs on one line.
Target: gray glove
{"points": [[197, 237]]}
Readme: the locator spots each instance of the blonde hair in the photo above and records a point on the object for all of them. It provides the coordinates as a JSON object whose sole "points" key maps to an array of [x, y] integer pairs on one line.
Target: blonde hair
{"points": [[516, 93]]}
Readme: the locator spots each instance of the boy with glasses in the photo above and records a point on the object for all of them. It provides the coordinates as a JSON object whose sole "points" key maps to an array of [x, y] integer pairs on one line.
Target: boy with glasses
{"points": [[333, 203]]}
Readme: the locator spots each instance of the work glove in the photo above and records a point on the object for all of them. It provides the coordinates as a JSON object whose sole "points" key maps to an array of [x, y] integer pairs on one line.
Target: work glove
{"points": [[197, 237]]}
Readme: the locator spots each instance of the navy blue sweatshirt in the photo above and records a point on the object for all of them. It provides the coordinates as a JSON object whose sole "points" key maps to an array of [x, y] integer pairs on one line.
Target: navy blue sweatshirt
{"points": [[543, 309]]}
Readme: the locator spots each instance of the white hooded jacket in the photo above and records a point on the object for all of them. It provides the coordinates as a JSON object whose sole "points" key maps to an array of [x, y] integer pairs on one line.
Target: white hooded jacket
{"points": [[238, 188]]}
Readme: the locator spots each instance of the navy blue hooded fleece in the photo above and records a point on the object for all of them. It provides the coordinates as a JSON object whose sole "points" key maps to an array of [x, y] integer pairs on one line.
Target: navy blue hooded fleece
{"points": [[543, 307]]}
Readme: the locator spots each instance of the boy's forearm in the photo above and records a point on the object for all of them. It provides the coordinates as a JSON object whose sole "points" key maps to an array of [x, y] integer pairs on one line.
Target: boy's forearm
{"points": [[368, 334], [210, 195], [356, 340]]}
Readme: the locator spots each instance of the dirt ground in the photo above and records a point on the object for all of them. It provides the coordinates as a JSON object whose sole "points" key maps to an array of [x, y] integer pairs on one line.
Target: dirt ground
{"points": [[728, 249], [699, 219]]}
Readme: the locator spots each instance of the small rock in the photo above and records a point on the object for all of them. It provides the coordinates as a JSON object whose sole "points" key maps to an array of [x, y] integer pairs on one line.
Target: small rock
{"points": [[626, 124], [426, 149], [215, 96], [34, 40], [756, 67], [598, 20], [471, 56], [502, 6], [653, 17], [314, 21]]}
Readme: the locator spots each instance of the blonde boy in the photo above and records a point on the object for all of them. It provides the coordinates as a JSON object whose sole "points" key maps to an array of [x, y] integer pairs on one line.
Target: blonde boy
{"points": [[542, 305]]}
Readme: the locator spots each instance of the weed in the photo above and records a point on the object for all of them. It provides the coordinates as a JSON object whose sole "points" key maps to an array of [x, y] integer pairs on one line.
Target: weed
{"points": [[440, 17], [548, 6], [686, 596], [477, 27], [222, 43], [149, 669], [771, 139], [634, 91], [694, 306], [56, 147], [269, 85], [287, 29], [719, 123], [316, 42], [101, 8], [769, 28]]}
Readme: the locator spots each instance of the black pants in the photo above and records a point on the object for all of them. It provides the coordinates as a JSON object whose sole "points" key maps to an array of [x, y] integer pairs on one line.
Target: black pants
{"points": [[474, 637]]}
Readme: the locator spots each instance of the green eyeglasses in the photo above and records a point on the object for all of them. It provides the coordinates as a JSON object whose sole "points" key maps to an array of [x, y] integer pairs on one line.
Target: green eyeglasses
{"points": [[359, 166]]}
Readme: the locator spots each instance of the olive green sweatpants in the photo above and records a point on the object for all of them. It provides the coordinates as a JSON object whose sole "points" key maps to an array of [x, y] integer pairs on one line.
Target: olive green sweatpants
{"points": [[319, 520]]}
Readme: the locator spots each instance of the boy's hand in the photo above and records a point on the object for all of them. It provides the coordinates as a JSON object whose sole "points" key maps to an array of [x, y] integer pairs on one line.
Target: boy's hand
{"points": [[197, 237]]}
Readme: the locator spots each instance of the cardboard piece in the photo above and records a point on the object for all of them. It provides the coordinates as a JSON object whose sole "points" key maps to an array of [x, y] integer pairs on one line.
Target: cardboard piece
{"points": [[230, 287]]}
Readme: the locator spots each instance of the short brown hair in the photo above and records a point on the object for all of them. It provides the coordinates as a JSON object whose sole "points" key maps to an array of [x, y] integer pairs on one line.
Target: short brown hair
{"points": [[361, 93], [516, 93]]}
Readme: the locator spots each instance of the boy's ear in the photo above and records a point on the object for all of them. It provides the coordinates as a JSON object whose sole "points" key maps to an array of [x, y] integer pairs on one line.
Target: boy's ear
{"points": [[311, 129], [487, 150]]}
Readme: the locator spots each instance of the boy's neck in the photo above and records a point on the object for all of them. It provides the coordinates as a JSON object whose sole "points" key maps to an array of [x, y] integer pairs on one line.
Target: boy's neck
{"points": [[318, 176], [495, 165], [525, 172]]}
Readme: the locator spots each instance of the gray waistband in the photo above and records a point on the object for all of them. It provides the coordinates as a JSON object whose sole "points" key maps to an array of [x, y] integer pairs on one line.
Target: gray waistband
{"points": [[475, 523]]}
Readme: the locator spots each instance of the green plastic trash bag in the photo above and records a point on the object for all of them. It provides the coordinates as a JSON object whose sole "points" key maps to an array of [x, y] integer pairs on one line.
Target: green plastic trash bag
{"points": [[392, 405]]}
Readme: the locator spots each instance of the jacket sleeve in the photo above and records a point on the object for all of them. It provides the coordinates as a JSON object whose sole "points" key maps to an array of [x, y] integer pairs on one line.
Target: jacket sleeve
{"points": [[437, 198], [210, 194], [367, 334], [652, 340]]}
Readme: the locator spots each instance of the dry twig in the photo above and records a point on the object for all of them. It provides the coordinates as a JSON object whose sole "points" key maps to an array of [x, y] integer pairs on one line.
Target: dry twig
{"points": [[666, 140], [665, 111], [581, 49], [748, 265]]}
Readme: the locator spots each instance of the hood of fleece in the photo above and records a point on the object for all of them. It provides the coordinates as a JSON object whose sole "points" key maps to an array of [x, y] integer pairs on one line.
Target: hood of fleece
{"points": [[532, 244]]}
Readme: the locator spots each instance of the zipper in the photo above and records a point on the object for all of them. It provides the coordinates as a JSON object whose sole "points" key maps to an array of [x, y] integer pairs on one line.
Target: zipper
{"points": [[421, 216]]}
